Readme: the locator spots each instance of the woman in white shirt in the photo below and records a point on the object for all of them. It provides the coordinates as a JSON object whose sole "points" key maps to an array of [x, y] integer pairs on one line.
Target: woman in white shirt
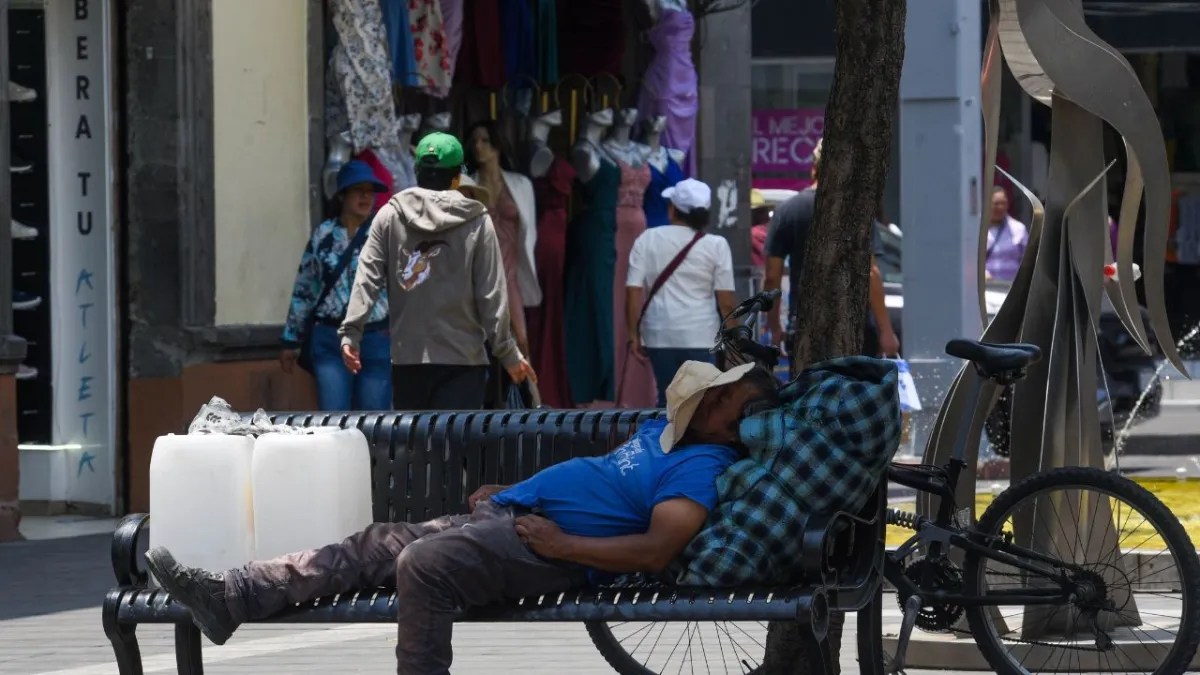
{"points": [[680, 270]]}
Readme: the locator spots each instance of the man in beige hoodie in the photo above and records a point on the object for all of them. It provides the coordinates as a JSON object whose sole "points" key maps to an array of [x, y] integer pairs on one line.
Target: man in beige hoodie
{"points": [[436, 252]]}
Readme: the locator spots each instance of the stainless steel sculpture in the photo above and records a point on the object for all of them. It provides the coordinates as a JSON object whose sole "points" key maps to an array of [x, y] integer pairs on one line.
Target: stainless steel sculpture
{"points": [[1056, 297]]}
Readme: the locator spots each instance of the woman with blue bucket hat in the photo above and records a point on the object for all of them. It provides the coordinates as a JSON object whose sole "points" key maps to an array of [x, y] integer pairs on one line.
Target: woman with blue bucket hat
{"points": [[320, 297]]}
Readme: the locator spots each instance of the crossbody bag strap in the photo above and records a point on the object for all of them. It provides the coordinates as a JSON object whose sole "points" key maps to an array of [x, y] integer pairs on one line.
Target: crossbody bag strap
{"points": [[666, 275], [330, 280]]}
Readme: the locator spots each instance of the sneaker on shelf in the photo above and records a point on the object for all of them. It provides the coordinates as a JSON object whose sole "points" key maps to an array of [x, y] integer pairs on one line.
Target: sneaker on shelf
{"points": [[18, 164], [22, 231], [24, 300], [19, 94], [25, 372]]}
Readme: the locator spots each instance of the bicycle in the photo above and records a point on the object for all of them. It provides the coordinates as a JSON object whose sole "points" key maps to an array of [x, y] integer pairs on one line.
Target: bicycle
{"points": [[940, 573]]}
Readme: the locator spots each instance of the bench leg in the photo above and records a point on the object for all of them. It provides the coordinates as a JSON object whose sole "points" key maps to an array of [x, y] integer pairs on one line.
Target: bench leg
{"points": [[870, 637], [189, 660], [123, 637]]}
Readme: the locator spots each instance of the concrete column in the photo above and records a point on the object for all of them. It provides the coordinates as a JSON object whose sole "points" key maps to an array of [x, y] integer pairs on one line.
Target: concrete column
{"points": [[940, 141], [725, 134]]}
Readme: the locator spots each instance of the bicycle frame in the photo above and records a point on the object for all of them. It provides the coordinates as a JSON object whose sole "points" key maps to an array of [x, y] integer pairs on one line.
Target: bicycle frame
{"points": [[941, 532]]}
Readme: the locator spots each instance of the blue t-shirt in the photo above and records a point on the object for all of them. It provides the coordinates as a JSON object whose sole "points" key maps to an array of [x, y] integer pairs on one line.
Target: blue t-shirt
{"points": [[613, 495]]}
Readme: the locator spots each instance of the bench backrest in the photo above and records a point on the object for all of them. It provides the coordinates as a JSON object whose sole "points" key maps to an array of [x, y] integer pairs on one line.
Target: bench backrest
{"points": [[425, 465]]}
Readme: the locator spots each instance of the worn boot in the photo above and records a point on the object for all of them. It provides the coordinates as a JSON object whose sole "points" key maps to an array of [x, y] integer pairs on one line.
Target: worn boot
{"points": [[201, 591]]}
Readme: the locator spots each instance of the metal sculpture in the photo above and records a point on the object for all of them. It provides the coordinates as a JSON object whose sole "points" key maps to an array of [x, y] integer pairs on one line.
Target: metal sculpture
{"points": [[1055, 298]]}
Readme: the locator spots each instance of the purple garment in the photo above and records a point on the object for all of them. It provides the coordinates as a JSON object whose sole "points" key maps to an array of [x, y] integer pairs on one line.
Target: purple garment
{"points": [[1112, 234], [669, 85], [1006, 247], [452, 22]]}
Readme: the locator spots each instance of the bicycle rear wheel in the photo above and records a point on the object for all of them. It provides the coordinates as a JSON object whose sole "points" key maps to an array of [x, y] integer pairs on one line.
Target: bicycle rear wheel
{"points": [[1133, 572], [654, 647]]}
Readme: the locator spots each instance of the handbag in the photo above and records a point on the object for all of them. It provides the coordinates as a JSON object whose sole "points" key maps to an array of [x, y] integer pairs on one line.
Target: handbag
{"points": [[328, 282], [654, 289]]}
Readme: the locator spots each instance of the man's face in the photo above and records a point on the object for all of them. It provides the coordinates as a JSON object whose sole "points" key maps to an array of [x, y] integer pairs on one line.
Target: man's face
{"points": [[999, 207], [717, 417]]}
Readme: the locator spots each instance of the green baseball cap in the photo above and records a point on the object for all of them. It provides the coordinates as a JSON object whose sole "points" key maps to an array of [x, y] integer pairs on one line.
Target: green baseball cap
{"points": [[440, 150]]}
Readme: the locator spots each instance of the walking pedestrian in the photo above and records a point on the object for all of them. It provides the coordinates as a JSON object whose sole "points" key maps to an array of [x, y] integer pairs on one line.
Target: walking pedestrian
{"points": [[436, 253], [1006, 239], [675, 320], [321, 295]]}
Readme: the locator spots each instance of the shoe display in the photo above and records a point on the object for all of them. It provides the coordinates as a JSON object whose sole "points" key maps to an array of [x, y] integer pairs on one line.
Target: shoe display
{"points": [[23, 300], [18, 164], [25, 372], [19, 94], [22, 231]]}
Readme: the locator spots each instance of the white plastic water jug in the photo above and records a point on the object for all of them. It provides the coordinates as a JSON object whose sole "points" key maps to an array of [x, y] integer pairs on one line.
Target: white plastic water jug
{"points": [[310, 491], [200, 503]]}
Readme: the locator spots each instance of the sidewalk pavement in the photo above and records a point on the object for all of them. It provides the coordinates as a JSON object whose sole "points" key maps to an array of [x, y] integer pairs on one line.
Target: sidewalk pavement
{"points": [[51, 590]]}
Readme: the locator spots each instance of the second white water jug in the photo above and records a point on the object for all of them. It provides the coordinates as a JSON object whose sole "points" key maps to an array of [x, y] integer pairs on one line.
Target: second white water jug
{"points": [[310, 490]]}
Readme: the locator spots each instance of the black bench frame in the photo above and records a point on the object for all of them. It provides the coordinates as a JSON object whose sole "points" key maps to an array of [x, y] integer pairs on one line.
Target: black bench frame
{"points": [[425, 465]]}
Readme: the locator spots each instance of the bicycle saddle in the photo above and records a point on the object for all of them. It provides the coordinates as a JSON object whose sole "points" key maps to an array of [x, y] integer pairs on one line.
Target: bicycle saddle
{"points": [[996, 361]]}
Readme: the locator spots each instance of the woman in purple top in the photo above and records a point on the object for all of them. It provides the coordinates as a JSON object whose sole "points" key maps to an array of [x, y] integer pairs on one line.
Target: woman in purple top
{"points": [[1006, 239]]}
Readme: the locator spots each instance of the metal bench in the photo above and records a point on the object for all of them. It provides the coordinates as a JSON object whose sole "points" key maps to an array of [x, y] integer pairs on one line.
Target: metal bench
{"points": [[425, 465]]}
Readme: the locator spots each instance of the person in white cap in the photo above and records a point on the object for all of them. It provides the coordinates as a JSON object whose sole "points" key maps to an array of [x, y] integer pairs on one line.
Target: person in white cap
{"points": [[586, 520], [674, 272]]}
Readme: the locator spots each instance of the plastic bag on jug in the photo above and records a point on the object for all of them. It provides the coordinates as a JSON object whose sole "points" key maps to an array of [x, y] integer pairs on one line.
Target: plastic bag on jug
{"points": [[218, 417]]}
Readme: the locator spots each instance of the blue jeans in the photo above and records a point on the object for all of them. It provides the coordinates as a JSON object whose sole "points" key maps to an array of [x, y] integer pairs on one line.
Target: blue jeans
{"points": [[337, 388], [666, 362]]}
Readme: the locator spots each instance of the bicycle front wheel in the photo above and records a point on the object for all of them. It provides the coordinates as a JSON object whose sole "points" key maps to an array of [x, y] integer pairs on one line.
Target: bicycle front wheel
{"points": [[1127, 567]]}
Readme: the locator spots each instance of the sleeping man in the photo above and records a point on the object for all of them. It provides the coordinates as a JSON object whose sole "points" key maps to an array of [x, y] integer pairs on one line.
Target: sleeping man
{"points": [[633, 510]]}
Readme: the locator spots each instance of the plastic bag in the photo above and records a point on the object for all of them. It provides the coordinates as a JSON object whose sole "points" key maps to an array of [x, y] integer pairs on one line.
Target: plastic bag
{"points": [[218, 417], [515, 399], [910, 401]]}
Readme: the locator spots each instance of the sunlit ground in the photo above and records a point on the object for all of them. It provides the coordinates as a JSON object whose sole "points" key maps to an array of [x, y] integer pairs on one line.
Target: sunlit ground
{"points": [[1182, 497]]}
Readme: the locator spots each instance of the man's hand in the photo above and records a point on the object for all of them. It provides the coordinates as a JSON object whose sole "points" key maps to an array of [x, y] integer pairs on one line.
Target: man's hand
{"points": [[484, 493], [889, 344], [350, 358], [775, 328], [522, 371], [287, 360], [541, 535]]}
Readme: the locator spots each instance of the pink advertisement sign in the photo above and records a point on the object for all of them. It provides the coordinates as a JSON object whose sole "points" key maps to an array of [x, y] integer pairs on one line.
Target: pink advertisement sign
{"points": [[784, 140]]}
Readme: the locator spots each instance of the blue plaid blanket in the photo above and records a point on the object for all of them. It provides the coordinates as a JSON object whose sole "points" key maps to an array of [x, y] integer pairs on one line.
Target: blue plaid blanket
{"points": [[823, 451]]}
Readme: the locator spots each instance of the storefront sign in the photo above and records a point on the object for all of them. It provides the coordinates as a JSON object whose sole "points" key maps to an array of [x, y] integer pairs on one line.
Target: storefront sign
{"points": [[81, 245], [784, 140]]}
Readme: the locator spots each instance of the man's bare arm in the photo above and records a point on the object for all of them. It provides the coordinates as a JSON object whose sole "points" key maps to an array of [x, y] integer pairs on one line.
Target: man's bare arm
{"points": [[773, 281], [673, 524]]}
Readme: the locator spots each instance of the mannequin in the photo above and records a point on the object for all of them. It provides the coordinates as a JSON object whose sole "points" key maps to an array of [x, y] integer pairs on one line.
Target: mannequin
{"points": [[665, 171], [657, 7], [620, 143], [590, 261], [439, 122], [340, 149], [659, 156], [409, 125], [587, 154], [541, 157], [635, 379], [552, 181]]}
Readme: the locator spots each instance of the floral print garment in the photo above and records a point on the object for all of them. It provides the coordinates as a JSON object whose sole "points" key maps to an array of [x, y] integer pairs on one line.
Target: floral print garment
{"points": [[361, 72], [430, 46], [322, 253]]}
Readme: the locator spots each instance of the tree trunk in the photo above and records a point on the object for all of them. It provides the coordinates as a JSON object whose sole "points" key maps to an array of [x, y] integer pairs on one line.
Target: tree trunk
{"points": [[835, 273]]}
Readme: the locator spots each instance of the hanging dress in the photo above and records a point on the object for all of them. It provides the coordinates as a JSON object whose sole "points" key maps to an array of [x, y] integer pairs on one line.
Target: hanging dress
{"points": [[452, 23], [429, 46], [547, 337], [547, 41], [507, 221], [635, 378], [520, 46], [400, 42], [669, 85], [359, 69], [655, 204], [588, 310], [591, 37], [481, 58]]}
